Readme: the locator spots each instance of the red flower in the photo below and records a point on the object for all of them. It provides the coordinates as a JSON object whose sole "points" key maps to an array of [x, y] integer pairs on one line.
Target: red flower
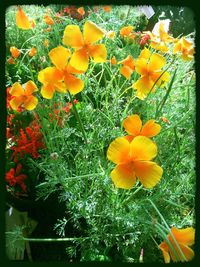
{"points": [[14, 177]]}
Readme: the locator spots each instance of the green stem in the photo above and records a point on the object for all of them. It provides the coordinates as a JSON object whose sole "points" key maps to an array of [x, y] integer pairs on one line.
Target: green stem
{"points": [[133, 194], [78, 118]]}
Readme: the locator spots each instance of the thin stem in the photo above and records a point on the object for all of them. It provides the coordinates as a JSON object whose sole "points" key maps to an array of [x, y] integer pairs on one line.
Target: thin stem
{"points": [[78, 118], [133, 194]]}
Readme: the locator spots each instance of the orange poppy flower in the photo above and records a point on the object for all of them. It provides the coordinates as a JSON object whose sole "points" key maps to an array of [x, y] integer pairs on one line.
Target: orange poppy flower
{"points": [[22, 21], [59, 78], [48, 20], [184, 47], [185, 238], [113, 60], [81, 11], [15, 52], [128, 67], [133, 160], [127, 31], [84, 45], [149, 67], [11, 60], [32, 52], [22, 95], [107, 8], [133, 126]]}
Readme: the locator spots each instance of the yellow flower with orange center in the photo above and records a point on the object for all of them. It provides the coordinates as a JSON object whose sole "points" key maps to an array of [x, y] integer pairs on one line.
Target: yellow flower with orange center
{"points": [[185, 239], [32, 52], [23, 95], [15, 52], [22, 21], [84, 46], [149, 66], [185, 48], [60, 78], [133, 161], [133, 126], [128, 67]]}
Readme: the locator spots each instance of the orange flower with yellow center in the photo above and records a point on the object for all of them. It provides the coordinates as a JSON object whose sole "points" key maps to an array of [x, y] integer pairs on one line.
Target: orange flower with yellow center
{"points": [[184, 47], [184, 238], [48, 19], [32, 52], [84, 46], [128, 67], [23, 95], [133, 160], [22, 21], [133, 126], [59, 78], [15, 52], [127, 32], [107, 8], [149, 67]]}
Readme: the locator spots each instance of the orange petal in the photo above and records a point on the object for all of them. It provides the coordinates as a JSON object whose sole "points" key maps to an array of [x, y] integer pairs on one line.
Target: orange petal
{"points": [[148, 172], [150, 129], [98, 53], [60, 87], [92, 33], [30, 87], [50, 75], [141, 66], [161, 46], [74, 84], [132, 125], [15, 52], [30, 103], [129, 138], [118, 151], [185, 236], [59, 56], [16, 102], [123, 176], [126, 71], [188, 252], [156, 62], [145, 53], [22, 21], [80, 60], [128, 61], [16, 89], [72, 70], [143, 148], [47, 91], [73, 36], [163, 246]]}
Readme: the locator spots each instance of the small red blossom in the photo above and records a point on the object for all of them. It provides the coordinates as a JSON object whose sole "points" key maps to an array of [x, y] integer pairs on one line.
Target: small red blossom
{"points": [[144, 40], [13, 177]]}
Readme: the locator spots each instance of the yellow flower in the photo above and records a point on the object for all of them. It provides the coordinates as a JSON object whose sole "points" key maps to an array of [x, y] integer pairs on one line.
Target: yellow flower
{"points": [[46, 42], [15, 52], [59, 78], [128, 67], [110, 34], [149, 67], [22, 21], [133, 126], [84, 45], [133, 160], [22, 95], [185, 238], [184, 47], [32, 52]]}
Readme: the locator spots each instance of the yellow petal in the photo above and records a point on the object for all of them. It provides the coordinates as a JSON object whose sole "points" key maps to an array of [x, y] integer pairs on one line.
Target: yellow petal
{"points": [[74, 84], [143, 86], [185, 236], [30, 103], [143, 148], [60, 87], [156, 62], [132, 125], [161, 78], [145, 54], [150, 129], [141, 66], [59, 56], [123, 176], [22, 21], [30, 87], [177, 47], [126, 71], [148, 172], [50, 75], [72, 70], [98, 53], [118, 151], [47, 91], [16, 102], [161, 46], [80, 60], [91, 32], [73, 36], [164, 247], [16, 89]]}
